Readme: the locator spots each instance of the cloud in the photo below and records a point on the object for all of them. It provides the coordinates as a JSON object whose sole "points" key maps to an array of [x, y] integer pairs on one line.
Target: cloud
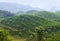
{"points": [[43, 4]]}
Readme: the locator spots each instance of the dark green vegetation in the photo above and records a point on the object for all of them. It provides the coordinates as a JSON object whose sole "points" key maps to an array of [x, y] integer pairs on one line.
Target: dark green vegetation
{"points": [[4, 35], [29, 24], [5, 14], [24, 22]]}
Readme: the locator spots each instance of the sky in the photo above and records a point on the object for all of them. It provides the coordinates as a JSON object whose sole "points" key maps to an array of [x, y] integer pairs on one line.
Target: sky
{"points": [[43, 4]]}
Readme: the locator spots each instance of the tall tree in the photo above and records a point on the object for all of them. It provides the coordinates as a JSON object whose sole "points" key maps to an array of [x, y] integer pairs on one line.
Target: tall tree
{"points": [[40, 34]]}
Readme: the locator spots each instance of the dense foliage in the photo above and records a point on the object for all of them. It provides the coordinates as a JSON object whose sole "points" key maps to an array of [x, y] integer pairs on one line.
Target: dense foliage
{"points": [[25, 25], [4, 35]]}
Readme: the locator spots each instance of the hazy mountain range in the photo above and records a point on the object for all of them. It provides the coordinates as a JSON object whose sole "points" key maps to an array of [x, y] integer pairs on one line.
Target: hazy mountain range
{"points": [[14, 7]]}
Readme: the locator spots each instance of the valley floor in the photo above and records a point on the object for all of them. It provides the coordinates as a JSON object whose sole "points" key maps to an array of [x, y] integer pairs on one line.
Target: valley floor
{"points": [[17, 39]]}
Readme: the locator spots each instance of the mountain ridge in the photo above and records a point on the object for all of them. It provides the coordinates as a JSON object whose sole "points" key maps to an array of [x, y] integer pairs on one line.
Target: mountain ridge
{"points": [[14, 7]]}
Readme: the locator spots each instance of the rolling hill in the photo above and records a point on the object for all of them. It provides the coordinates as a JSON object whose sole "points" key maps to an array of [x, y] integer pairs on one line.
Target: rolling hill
{"points": [[46, 14], [25, 21], [25, 24]]}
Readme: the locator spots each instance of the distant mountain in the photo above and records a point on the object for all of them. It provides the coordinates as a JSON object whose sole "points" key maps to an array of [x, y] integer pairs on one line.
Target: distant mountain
{"points": [[14, 7], [4, 14], [46, 14], [31, 11], [27, 12]]}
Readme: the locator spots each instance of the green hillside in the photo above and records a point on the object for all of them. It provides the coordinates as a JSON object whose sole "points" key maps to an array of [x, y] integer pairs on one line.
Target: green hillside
{"points": [[25, 26], [25, 23]]}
